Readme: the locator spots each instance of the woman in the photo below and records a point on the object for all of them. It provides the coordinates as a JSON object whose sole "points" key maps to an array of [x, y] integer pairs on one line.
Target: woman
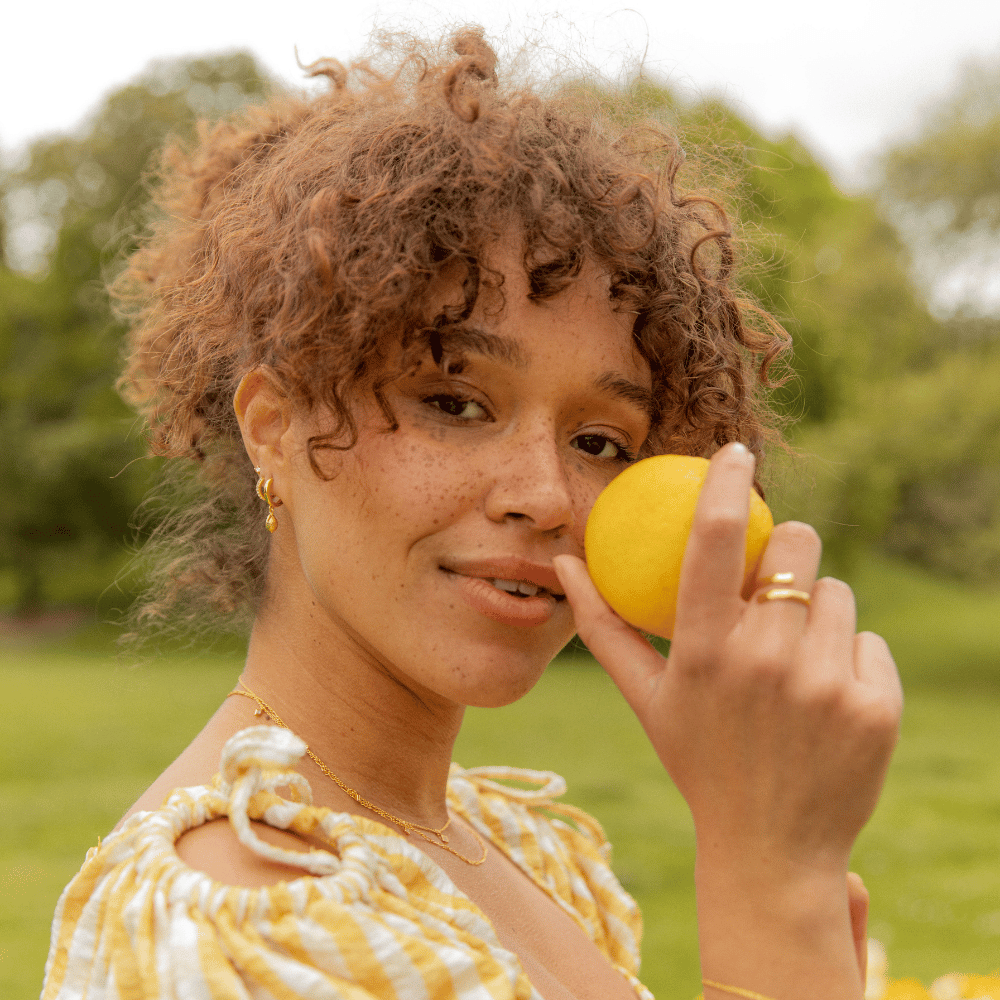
{"points": [[407, 331]]}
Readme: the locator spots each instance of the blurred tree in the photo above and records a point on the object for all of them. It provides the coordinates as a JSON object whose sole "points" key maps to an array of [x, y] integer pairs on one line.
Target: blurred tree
{"points": [[828, 265], [913, 466], [67, 214], [900, 411], [879, 377], [952, 167], [836, 274], [914, 469], [942, 190]]}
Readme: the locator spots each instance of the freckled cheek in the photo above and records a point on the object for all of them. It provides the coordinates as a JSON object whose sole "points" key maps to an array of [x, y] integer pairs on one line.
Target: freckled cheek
{"points": [[584, 487], [432, 483]]}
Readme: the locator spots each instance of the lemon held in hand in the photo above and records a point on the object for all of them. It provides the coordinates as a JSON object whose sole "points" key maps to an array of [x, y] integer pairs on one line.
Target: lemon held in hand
{"points": [[637, 531]]}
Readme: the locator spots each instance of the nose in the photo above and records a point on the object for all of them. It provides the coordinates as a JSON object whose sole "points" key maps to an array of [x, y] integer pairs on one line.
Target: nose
{"points": [[529, 482]]}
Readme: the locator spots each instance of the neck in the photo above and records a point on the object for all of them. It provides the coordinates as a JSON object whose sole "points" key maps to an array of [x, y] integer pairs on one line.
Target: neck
{"points": [[389, 742]]}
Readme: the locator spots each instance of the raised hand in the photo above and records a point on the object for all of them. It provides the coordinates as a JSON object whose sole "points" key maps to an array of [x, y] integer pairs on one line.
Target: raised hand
{"points": [[774, 719]]}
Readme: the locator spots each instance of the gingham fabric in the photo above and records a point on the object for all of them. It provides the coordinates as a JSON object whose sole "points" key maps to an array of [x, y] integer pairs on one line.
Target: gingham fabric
{"points": [[372, 917]]}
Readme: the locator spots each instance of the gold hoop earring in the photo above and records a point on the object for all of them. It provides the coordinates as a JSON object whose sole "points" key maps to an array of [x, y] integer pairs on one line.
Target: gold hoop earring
{"points": [[264, 492]]}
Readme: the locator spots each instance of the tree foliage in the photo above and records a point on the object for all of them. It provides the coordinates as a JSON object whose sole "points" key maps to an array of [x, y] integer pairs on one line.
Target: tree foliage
{"points": [[72, 488], [912, 465], [952, 165], [827, 264], [913, 469], [942, 189], [897, 413]]}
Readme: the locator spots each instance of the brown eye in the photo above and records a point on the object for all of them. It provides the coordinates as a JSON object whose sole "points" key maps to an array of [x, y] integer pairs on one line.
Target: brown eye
{"points": [[455, 406], [597, 445]]}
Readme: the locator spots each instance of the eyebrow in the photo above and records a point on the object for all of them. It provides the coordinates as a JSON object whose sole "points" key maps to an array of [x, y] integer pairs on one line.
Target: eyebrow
{"points": [[462, 337], [630, 391]]}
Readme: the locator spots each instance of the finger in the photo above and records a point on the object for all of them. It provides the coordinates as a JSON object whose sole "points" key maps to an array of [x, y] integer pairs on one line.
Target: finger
{"points": [[708, 599], [777, 626], [828, 643], [793, 548], [789, 562], [874, 666], [857, 902], [876, 669], [628, 658]]}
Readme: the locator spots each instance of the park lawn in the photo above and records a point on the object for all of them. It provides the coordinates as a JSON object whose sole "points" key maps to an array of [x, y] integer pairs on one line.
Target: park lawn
{"points": [[83, 736]]}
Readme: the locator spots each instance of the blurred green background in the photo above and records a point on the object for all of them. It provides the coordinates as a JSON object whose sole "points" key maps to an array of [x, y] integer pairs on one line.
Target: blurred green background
{"points": [[897, 424], [85, 734]]}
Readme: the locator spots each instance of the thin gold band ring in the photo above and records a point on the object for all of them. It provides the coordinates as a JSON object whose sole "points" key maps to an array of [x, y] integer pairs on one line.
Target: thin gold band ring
{"points": [[785, 594]]}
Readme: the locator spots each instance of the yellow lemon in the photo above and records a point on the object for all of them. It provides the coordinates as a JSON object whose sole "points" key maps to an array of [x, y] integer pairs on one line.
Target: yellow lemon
{"points": [[637, 531]]}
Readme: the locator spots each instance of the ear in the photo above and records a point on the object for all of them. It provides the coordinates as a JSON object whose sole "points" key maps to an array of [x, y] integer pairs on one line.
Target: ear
{"points": [[264, 413]]}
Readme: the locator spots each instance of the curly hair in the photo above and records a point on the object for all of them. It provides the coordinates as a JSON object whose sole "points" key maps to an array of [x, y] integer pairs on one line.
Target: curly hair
{"points": [[303, 234]]}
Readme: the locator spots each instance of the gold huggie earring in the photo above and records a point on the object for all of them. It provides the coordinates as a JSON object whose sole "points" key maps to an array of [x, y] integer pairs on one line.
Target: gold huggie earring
{"points": [[264, 492]]}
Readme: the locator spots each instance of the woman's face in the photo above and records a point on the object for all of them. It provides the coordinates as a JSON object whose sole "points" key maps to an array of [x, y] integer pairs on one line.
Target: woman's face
{"points": [[429, 551]]}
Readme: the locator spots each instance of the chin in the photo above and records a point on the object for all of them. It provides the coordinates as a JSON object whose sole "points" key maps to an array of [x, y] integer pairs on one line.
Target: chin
{"points": [[499, 680]]}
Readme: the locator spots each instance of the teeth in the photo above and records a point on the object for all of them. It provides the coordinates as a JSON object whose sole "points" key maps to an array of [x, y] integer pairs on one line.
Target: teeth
{"points": [[516, 587]]}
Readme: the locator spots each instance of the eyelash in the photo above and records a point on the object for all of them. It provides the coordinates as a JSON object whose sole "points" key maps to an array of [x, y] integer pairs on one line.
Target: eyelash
{"points": [[439, 397], [623, 456]]}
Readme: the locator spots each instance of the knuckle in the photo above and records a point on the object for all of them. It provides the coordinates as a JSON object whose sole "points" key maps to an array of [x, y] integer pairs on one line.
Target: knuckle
{"points": [[880, 719], [827, 694], [856, 887], [875, 649], [769, 667], [799, 533], [877, 645], [721, 526], [830, 586], [603, 619]]}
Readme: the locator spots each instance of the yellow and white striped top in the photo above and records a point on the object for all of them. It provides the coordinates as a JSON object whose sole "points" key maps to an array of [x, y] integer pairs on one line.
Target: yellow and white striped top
{"points": [[371, 917]]}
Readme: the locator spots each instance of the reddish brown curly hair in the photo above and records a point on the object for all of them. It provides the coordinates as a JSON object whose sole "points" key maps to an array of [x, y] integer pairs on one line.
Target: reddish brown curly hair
{"points": [[303, 234]]}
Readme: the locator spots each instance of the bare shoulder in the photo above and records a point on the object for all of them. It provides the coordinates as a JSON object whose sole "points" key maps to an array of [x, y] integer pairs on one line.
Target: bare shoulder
{"points": [[214, 848], [197, 764]]}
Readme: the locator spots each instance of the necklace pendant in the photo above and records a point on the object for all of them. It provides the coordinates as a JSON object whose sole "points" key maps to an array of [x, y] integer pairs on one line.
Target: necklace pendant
{"points": [[444, 838]]}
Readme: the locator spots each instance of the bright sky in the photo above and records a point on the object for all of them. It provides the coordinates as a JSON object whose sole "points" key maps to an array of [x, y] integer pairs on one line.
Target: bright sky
{"points": [[846, 75]]}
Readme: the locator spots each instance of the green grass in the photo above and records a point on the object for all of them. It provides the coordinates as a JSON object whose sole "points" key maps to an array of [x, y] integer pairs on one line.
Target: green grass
{"points": [[943, 634], [928, 856], [83, 736]]}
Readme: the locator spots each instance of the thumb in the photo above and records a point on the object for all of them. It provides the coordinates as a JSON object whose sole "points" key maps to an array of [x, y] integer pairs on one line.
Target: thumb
{"points": [[857, 901], [629, 659]]}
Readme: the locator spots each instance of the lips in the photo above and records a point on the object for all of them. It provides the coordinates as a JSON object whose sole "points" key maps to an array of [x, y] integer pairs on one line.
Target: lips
{"points": [[509, 590]]}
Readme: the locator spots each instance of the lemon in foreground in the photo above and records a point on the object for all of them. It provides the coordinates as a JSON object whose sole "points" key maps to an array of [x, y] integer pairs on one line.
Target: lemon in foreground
{"points": [[637, 531]]}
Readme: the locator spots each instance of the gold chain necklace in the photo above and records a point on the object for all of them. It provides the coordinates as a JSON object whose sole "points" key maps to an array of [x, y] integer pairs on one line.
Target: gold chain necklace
{"points": [[428, 833]]}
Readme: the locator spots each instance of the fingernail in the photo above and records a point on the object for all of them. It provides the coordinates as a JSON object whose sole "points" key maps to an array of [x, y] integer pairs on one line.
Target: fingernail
{"points": [[739, 448]]}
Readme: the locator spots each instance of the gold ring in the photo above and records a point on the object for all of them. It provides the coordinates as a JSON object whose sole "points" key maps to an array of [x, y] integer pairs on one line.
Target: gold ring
{"points": [[785, 579], [785, 594]]}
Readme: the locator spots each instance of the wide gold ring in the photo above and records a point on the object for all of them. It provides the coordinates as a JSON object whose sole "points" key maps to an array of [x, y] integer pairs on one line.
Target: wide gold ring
{"points": [[785, 594], [784, 579]]}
